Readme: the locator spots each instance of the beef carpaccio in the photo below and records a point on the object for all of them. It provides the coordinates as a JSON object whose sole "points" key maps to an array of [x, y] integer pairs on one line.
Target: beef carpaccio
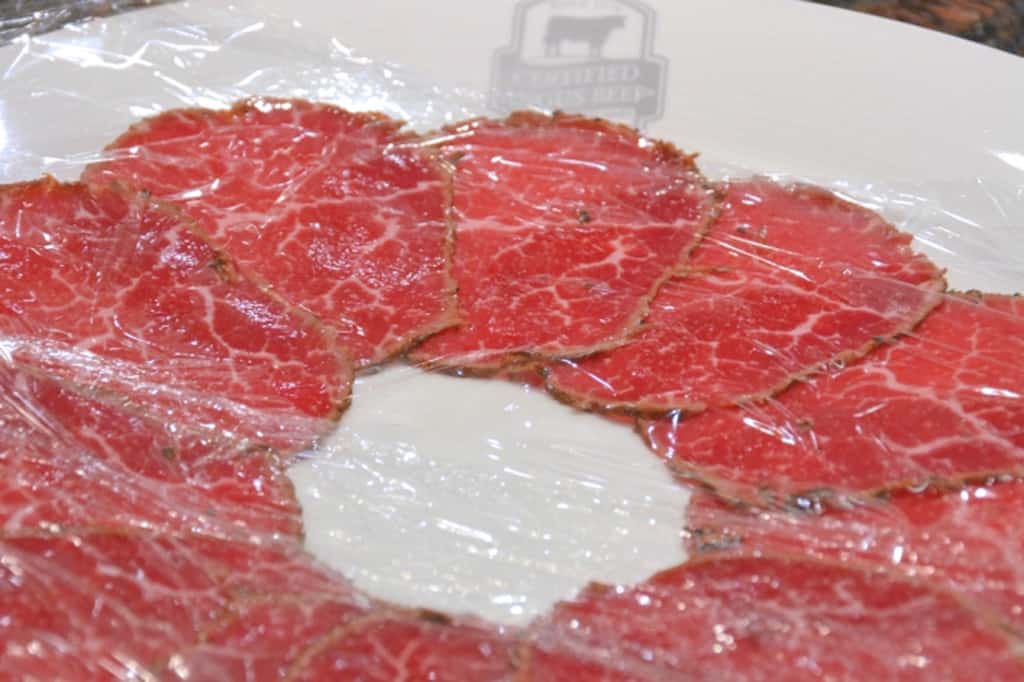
{"points": [[73, 459], [176, 327], [93, 603], [945, 403], [566, 227], [340, 213], [97, 604], [965, 539], [108, 291], [789, 279], [768, 618]]}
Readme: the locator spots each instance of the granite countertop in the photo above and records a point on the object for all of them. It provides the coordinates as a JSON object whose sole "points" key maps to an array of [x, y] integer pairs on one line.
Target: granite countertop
{"points": [[998, 23]]}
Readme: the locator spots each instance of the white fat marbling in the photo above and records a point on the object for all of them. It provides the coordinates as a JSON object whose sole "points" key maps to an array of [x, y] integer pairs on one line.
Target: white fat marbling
{"points": [[488, 497]]}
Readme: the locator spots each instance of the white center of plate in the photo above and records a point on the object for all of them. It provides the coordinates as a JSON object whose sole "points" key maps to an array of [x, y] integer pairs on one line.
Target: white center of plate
{"points": [[484, 496]]}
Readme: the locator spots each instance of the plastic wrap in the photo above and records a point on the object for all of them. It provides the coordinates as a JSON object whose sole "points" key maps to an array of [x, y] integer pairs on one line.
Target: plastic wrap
{"points": [[202, 480], [29, 17]]}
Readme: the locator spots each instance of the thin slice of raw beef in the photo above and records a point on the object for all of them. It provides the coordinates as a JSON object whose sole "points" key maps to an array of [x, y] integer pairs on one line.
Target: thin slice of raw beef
{"points": [[944, 404], [97, 605], [110, 292], [768, 618], [788, 279], [967, 540], [69, 459], [340, 213], [565, 229]]}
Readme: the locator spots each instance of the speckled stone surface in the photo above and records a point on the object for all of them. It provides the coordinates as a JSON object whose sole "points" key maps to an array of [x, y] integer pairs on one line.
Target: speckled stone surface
{"points": [[998, 23]]}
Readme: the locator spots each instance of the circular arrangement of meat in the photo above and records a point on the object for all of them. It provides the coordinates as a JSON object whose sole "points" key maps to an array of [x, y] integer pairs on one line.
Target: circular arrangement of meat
{"points": [[151, 397], [176, 327], [565, 228], [342, 214]]}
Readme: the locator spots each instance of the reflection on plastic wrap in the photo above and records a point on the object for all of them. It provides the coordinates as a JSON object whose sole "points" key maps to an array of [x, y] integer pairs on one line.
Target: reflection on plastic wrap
{"points": [[788, 279], [963, 538], [941, 405], [765, 617], [566, 227], [184, 55], [292, 391], [969, 242], [350, 224], [108, 291], [28, 17]]}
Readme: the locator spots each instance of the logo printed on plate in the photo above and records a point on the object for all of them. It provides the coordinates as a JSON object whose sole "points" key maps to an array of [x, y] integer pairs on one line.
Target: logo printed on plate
{"points": [[590, 56]]}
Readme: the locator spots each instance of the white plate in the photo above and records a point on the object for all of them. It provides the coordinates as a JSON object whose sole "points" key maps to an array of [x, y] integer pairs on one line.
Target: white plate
{"points": [[465, 495]]}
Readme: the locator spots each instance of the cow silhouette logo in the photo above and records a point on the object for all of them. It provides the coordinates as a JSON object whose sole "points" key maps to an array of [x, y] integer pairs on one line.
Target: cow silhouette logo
{"points": [[590, 56], [595, 31]]}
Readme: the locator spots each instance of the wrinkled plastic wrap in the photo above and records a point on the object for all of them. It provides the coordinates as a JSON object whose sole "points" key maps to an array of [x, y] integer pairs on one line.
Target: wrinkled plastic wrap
{"points": [[29, 17], [202, 479]]}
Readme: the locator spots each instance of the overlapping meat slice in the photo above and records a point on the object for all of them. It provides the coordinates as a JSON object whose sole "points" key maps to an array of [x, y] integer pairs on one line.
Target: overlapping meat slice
{"points": [[789, 278], [340, 213], [115, 295], [941, 405], [100, 604], [565, 228], [70, 459], [146, 525], [95, 604], [130, 549], [966, 540], [749, 619]]}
